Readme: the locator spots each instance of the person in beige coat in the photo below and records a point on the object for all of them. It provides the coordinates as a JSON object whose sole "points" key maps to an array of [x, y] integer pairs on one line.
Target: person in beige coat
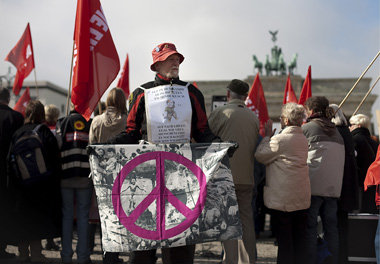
{"points": [[112, 121], [103, 127], [287, 190], [235, 122]]}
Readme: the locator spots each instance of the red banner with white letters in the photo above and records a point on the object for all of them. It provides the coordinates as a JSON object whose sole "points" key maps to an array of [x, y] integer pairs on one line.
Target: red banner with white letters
{"points": [[21, 104], [96, 62], [21, 56]]}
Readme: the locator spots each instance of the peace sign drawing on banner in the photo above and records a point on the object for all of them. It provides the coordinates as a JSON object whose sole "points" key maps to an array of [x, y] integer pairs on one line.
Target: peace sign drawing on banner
{"points": [[160, 193]]}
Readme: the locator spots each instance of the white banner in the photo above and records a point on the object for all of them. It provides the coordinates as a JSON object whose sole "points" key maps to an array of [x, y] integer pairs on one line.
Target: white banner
{"points": [[152, 196]]}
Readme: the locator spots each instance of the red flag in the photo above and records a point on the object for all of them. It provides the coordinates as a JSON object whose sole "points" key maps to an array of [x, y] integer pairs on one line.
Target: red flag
{"points": [[22, 57], [22, 102], [256, 102], [373, 172], [195, 84], [289, 95], [96, 62], [123, 82], [306, 88]]}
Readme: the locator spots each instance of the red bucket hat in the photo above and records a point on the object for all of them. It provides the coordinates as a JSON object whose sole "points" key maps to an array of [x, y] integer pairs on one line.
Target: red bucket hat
{"points": [[162, 52]]}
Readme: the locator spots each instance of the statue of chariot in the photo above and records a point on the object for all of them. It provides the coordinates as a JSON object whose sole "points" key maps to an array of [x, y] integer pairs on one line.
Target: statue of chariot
{"points": [[275, 65]]}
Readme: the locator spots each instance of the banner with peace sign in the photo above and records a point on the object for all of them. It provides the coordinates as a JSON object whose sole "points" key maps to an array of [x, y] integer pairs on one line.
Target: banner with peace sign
{"points": [[165, 195]]}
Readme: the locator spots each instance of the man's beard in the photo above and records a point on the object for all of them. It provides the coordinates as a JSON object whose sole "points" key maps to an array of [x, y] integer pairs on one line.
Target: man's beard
{"points": [[172, 74]]}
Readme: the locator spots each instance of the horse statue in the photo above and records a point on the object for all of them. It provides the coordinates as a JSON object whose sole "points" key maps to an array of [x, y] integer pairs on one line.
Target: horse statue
{"points": [[281, 65], [293, 64], [267, 66], [258, 64]]}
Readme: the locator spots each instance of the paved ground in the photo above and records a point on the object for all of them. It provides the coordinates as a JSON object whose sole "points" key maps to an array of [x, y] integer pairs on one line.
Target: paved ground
{"points": [[205, 253]]}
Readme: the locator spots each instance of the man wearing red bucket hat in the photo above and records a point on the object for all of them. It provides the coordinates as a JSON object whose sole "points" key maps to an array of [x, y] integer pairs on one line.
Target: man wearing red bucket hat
{"points": [[166, 62], [166, 102], [162, 52]]}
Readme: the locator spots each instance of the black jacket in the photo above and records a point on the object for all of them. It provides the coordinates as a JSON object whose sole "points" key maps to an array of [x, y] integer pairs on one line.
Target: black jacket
{"points": [[136, 122], [37, 207], [349, 198], [10, 121], [73, 132], [366, 149]]}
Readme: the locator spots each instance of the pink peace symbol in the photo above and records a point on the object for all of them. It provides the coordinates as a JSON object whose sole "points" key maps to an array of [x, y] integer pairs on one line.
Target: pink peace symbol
{"points": [[159, 193]]}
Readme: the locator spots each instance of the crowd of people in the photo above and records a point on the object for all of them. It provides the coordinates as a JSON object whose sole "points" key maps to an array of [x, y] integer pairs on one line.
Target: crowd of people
{"points": [[315, 167]]}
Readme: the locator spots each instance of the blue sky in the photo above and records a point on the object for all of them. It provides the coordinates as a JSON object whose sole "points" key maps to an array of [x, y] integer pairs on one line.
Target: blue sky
{"points": [[217, 37]]}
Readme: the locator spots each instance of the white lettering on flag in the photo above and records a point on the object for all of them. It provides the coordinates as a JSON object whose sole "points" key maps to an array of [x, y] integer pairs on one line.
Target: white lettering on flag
{"points": [[98, 25], [251, 106], [28, 51]]}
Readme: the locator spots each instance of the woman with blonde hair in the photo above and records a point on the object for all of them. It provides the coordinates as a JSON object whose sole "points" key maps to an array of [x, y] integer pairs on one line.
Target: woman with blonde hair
{"points": [[103, 127], [112, 121]]}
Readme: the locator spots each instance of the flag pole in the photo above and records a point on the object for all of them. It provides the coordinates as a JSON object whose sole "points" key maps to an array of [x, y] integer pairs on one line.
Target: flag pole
{"points": [[35, 80], [356, 83], [100, 107], [71, 75], [365, 97]]}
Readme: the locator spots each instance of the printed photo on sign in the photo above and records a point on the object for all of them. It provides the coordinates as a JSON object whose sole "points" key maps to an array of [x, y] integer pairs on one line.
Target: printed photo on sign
{"points": [[168, 110]]}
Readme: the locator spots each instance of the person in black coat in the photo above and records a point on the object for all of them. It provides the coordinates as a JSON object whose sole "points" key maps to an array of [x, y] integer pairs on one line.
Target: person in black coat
{"points": [[366, 149], [349, 197], [37, 205], [10, 121]]}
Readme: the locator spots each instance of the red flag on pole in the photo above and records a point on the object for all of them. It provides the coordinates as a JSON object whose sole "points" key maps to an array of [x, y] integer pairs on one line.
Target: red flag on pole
{"points": [[22, 57], [22, 102], [123, 82], [256, 102], [289, 95], [306, 88], [96, 62]]}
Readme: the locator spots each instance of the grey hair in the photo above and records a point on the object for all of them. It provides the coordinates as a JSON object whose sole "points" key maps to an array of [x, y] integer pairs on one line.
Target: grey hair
{"points": [[234, 95], [361, 120], [338, 119], [295, 113], [51, 114]]}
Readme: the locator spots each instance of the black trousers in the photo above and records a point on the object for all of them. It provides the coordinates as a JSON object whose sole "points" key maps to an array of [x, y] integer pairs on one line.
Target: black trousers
{"points": [[343, 238], [175, 255], [290, 233]]}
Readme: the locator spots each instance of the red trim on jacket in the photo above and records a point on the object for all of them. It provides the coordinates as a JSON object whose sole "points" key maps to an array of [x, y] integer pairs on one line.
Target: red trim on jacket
{"points": [[133, 115]]}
